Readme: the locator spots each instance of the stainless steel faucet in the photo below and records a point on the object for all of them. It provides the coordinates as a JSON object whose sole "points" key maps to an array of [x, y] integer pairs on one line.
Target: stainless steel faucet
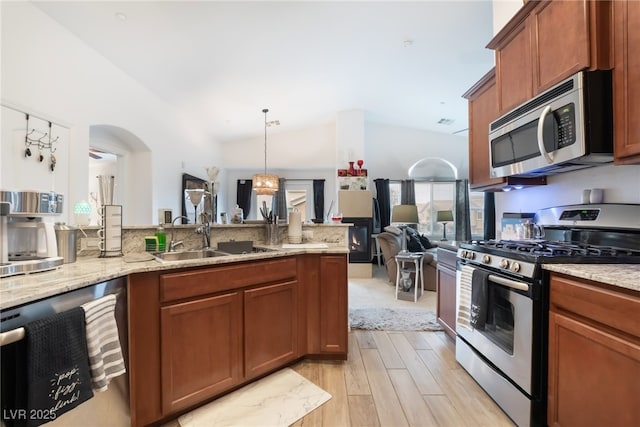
{"points": [[205, 230], [173, 243]]}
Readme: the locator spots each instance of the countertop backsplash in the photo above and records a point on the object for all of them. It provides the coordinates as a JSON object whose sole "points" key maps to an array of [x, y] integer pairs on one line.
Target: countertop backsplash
{"points": [[334, 235]]}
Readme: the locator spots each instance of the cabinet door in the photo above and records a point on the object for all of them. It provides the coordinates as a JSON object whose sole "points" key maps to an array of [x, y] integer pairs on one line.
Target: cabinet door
{"points": [[514, 68], [447, 298], [626, 82], [201, 349], [483, 109], [593, 375], [334, 321], [271, 334], [562, 45]]}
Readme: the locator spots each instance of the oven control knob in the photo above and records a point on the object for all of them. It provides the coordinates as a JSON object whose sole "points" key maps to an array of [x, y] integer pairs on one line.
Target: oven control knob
{"points": [[504, 263], [486, 259], [472, 255], [463, 254], [515, 267]]}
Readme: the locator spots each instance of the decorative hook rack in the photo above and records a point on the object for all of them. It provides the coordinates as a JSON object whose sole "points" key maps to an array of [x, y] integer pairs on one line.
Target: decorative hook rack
{"points": [[38, 141]]}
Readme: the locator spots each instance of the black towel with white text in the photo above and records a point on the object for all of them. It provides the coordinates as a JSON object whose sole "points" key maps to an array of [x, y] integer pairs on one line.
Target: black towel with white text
{"points": [[57, 368]]}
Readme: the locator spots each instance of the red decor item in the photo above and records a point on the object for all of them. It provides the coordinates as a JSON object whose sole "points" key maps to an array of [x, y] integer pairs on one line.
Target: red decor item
{"points": [[351, 171], [360, 163]]}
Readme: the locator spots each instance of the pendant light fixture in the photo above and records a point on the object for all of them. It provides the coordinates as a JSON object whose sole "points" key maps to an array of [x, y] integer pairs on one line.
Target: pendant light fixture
{"points": [[265, 183]]}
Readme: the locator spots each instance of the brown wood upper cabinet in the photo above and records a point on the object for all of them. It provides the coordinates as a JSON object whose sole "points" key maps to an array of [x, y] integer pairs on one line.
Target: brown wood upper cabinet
{"points": [[594, 354], [546, 42], [483, 109], [626, 82]]}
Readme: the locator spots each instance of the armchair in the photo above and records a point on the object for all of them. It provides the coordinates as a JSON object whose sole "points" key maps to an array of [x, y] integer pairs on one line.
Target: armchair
{"points": [[391, 244]]}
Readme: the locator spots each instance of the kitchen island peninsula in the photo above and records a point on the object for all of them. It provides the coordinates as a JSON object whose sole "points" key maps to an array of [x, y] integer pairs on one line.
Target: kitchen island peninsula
{"points": [[200, 328]]}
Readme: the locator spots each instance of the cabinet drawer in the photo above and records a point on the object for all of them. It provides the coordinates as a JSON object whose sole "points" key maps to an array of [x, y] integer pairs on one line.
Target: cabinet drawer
{"points": [[190, 284], [608, 307]]}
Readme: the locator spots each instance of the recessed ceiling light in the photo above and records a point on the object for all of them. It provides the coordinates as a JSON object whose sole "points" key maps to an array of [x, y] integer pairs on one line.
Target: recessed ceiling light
{"points": [[407, 43], [120, 16]]}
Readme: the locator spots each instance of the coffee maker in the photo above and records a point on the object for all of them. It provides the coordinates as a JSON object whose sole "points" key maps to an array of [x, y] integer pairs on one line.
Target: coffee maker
{"points": [[30, 239]]}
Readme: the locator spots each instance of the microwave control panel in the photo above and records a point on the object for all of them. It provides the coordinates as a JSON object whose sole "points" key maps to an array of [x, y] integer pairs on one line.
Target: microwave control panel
{"points": [[565, 121]]}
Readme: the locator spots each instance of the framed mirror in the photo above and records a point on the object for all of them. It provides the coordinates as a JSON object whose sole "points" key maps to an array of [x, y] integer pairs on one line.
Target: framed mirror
{"points": [[190, 182]]}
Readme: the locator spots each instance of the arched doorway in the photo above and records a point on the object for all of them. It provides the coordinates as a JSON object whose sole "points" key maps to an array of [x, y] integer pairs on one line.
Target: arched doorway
{"points": [[118, 152]]}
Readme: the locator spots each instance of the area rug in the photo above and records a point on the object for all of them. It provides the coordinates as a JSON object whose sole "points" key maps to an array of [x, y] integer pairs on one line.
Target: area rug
{"points": [[279, 399], [393, 319]]}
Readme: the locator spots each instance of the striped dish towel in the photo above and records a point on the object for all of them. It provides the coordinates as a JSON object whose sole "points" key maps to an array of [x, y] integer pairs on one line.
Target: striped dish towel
{"points": [[464, 307], [103, 344]]}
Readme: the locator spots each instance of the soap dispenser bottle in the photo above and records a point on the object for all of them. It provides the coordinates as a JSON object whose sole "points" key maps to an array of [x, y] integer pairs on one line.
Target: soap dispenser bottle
{"points": [[162, 238]]}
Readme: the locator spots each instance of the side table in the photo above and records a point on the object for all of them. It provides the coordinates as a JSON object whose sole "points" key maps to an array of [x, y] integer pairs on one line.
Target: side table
{"points": [[402, 269]]}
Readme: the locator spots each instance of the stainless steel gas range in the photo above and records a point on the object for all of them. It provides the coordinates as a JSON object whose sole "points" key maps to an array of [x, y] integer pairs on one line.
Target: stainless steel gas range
{"points": [[502, 298]]}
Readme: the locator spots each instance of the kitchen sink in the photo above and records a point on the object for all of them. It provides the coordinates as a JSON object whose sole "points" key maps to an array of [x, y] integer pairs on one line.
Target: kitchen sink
{"points": [[187, 255]]}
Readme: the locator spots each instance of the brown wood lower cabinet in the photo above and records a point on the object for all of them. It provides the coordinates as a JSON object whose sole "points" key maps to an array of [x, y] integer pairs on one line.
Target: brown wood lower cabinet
{"points": [[197, 333], [333, 305], [594, 355], [201, 349], [270, 327]]}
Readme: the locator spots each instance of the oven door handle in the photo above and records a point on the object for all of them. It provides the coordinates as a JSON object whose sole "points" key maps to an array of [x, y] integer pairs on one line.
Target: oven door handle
{"points": [[509, 283]]}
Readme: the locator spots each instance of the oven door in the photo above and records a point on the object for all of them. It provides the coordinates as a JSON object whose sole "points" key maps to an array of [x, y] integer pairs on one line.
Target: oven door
{"points": [[506, 339]]}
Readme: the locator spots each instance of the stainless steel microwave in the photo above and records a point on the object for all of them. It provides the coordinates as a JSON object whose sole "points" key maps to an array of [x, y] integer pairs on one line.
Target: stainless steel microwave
{"points": [[565, 128]]}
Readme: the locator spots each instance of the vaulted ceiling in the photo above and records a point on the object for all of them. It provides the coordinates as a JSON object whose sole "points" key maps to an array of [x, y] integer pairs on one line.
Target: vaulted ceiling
{"points": [[403, 63]]}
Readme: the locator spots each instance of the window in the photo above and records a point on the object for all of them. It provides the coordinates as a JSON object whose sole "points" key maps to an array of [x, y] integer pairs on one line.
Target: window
{"points": [[432, 197], [476, 215]]}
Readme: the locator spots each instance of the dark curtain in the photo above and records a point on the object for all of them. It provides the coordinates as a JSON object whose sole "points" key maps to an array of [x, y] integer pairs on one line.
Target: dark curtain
{"points": [[384, 201], [318, 198], [463, 222], [407, 192], [279, 200], [245, 187], [489, 216]]}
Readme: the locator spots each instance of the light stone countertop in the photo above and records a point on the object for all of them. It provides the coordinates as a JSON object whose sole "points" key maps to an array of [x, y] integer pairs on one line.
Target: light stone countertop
{"points": [[621, 275], [86, 271]]}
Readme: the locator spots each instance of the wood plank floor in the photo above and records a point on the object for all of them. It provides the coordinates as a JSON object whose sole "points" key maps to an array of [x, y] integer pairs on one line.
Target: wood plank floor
{"points": [[398, 379]]}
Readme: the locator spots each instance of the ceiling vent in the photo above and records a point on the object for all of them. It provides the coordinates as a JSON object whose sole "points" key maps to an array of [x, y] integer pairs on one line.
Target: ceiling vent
{"points": [[445, 121]]}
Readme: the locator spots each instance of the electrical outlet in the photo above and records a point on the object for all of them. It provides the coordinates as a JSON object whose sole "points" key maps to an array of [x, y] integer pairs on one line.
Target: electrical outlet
{"points": [[89, 243]]}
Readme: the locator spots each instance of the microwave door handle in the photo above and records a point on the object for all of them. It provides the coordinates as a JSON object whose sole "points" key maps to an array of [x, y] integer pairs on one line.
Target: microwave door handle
{"points": [[543, 116]]}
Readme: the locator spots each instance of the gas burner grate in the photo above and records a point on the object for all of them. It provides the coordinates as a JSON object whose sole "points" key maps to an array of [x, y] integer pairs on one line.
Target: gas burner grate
{"points": [[551, 249]]}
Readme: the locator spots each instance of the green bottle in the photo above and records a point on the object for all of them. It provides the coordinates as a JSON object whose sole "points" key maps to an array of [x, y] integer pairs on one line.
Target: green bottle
{"points": [[162, 239]]}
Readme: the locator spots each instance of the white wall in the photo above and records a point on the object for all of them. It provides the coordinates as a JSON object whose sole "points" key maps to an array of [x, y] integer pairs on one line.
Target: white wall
{"points": [[503, 11], [391, 150], [47, 71]]}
